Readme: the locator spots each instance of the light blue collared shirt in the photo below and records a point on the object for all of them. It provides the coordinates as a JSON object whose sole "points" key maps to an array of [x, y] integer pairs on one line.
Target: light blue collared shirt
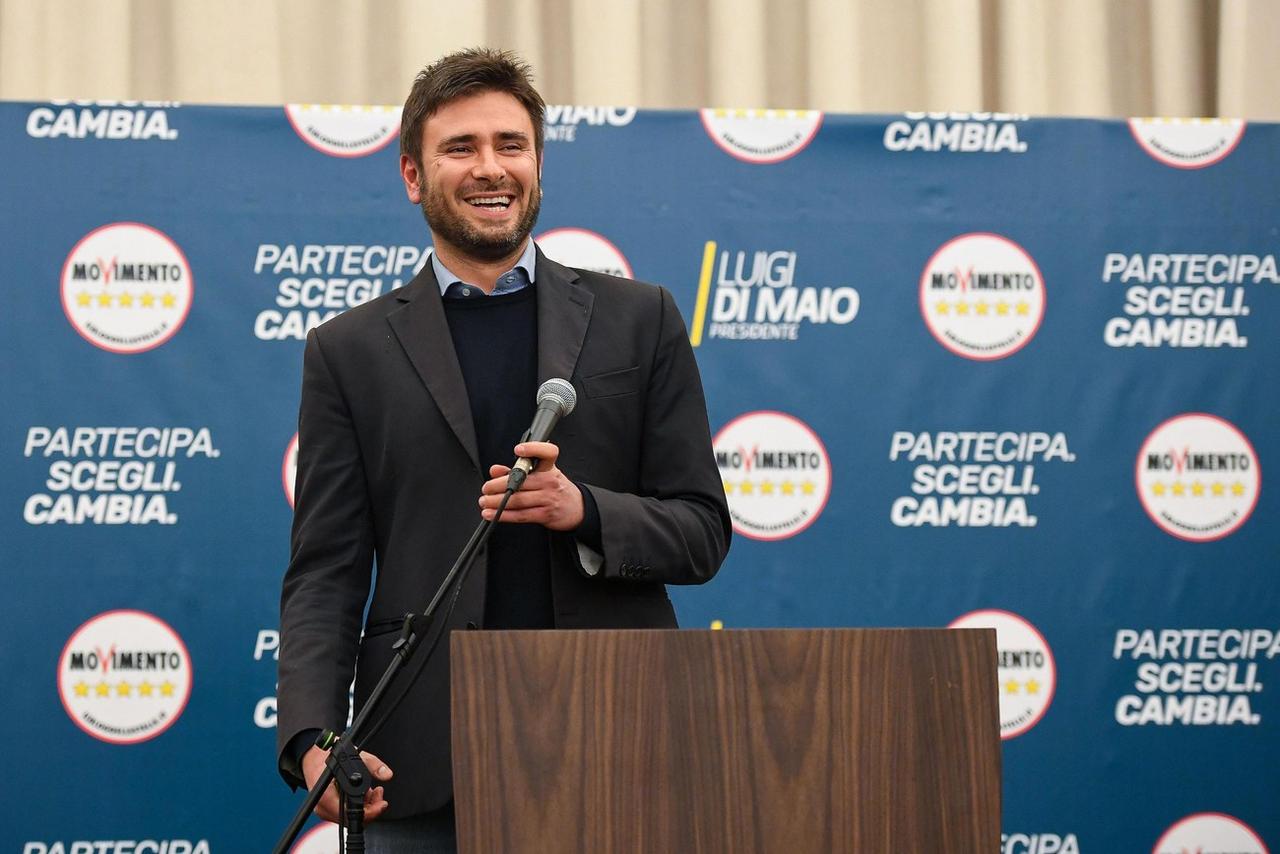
{"points": [[517, 278]]}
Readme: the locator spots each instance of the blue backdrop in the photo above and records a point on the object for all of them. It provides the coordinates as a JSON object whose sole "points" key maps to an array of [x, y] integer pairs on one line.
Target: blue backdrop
{"points": [[963, 369]]}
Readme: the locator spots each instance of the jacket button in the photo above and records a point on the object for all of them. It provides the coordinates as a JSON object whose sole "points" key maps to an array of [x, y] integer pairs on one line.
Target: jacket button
{"points": [[471, 625]]}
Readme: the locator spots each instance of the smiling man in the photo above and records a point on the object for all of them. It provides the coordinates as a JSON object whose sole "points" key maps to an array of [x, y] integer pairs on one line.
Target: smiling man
{"points": [[412, 406]]}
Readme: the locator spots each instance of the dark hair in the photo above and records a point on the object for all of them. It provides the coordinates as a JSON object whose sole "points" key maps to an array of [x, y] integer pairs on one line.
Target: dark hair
{"points": [[458, 75]]}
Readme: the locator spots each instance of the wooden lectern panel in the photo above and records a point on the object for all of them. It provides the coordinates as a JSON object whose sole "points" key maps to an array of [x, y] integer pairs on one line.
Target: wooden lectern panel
{"points": [[796, 741]]}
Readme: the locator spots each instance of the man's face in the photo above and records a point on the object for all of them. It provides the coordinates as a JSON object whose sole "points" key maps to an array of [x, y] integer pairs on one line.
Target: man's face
{"points": [[478, 183]]}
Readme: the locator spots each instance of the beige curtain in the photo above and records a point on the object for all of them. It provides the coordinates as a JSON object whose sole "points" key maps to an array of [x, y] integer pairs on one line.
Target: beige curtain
{"points": [[1043, 57]]}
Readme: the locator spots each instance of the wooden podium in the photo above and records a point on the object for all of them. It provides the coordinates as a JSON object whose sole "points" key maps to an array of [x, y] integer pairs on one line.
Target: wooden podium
{"points": [[795, 741]]}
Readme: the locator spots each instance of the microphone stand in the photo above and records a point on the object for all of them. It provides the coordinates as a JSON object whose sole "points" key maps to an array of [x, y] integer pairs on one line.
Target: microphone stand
{"points": [[344, 765]]}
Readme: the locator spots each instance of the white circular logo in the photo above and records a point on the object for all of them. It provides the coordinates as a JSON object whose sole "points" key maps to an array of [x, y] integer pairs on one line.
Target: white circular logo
{"points": [[762, 136], [1210, 833], [586, 250], [1198, 477], [776, 473], [1187, 143], [321, 839], [1025, 666], [982, 296], [289, 470], [124, 677], [126, 287], [344, 131]]}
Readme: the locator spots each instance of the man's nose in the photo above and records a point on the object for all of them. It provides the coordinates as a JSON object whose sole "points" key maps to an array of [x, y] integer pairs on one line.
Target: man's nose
{"points": [[488, 167]]}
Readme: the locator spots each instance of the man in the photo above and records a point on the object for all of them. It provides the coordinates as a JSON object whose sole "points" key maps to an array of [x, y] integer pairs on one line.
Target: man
{"points": [[410, 408]]}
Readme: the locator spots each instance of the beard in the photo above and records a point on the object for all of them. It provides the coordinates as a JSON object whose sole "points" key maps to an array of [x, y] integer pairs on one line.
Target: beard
{"points": [[484, 245]]}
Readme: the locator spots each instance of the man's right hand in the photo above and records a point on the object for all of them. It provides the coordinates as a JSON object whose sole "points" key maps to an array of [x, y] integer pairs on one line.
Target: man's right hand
{"points": [[374, 803]]}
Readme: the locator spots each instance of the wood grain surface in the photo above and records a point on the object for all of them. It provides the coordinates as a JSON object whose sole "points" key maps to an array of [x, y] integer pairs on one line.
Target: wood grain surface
{"points": [[830, 740]]}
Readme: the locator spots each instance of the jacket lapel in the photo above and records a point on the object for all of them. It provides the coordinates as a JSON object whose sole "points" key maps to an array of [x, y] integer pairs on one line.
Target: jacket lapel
{"points": [[419, 324], [564, 310]]}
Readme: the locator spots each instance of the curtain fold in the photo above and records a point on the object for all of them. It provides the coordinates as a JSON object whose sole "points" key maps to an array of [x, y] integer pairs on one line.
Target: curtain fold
{"points": [[1087, 57]]}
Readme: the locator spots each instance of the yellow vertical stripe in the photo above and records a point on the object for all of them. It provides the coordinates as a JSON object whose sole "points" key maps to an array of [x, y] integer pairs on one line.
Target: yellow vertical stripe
{"points": [[704, 292]]}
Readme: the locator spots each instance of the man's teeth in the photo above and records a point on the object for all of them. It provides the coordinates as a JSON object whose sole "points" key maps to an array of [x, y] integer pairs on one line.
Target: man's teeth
{"points": [[499, 201]]}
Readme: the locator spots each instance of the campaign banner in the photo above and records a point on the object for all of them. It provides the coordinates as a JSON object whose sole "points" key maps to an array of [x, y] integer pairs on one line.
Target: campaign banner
{"points": [[962, 369]]}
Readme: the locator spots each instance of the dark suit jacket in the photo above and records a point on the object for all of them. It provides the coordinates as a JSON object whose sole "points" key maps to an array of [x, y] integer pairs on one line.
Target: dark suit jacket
{"points": [[388, 470]]}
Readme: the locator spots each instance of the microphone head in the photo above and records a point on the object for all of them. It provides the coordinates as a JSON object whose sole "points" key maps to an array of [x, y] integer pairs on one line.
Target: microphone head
{"points": [[560, 394]]}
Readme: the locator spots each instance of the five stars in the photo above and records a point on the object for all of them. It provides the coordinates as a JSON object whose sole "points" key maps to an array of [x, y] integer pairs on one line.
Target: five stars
{"points": [[1197, 489], [124, 688], [769, 487], [982, 308], [125, 299]]}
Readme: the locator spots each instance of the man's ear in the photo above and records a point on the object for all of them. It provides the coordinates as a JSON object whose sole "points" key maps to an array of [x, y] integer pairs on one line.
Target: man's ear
{"points": [[411, 173]]}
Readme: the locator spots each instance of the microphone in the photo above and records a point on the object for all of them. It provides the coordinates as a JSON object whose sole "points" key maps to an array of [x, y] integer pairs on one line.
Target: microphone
{"points": [[556, 399]]}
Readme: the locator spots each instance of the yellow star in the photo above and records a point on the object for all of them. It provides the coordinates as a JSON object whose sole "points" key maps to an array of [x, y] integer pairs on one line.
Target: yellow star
{"points": [[747, 487], [766, 488], [104, 299], [728, 487], [1219, 489], [1033, 687], [1178, 488], [942, 308], [167, 688], [126, 299], [148, 299], [1023, 308], [1197, 488], [103, 689], [124, 689], [1011, 687], [1237, 488], [82, 689], [144, 688], [1157, 488], [982, 308], [808, 487], [962, 308], [788, 488], [1002, 308], [168, 300], [83, 298]]}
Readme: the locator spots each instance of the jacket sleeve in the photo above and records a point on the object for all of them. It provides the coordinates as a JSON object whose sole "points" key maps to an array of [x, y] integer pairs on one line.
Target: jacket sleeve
{"points": [[674, 528], [331, 554]]}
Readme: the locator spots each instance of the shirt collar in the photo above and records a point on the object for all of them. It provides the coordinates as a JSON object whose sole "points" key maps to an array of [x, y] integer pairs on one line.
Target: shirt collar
{"points": [[508, 282]]}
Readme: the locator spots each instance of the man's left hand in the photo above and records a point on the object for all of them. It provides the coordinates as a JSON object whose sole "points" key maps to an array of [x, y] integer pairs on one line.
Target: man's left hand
{"points": [[547, 498]]}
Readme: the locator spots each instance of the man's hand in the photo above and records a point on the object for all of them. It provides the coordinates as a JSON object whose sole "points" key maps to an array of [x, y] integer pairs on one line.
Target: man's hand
{"points": [[548, 498], [374, 804]]}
